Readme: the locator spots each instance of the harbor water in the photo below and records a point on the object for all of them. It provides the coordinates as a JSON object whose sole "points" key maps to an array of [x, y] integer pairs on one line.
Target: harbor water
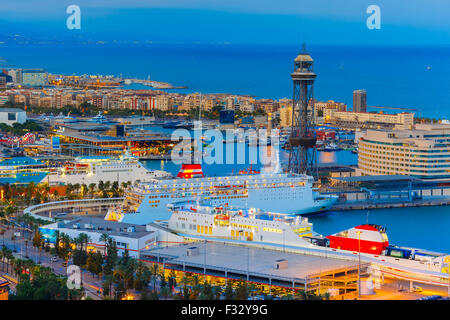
{"points": [[419, 227]]}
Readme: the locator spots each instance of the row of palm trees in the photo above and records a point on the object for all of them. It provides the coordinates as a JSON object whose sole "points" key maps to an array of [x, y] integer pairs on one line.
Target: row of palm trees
{"points": [[17, 194], [104, 189]]}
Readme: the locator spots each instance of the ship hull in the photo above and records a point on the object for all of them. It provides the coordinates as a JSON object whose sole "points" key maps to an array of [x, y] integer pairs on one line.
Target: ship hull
{"points": [[319, 206]]}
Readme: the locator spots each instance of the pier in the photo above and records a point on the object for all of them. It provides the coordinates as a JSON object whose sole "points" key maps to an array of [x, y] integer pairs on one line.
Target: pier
{"points": [[268, 268]]}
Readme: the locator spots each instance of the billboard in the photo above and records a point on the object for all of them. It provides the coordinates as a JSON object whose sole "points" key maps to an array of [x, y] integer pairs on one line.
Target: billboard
{"points": [[55, 143]]}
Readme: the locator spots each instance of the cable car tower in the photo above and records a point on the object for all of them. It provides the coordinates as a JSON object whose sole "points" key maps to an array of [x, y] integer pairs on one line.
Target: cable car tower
{"points": [[302, 141]]}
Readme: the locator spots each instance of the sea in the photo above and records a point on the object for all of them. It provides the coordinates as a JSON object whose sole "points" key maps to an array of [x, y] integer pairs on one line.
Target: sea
{"points": [[408, 78], [413, 79]]}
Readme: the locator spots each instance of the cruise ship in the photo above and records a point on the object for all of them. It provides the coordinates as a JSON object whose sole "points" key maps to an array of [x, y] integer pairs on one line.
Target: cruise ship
{"points": [[22, 170], [87, 170], [282, 192], [245, 224]]}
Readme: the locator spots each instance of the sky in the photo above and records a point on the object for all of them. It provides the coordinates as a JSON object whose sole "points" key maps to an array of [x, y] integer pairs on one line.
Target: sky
{"points": [[412, 22]]}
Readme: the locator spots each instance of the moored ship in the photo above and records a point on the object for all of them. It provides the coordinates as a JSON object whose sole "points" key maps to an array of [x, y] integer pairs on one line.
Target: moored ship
{"points": [[87, 170], [244, 224], [281, 192]]}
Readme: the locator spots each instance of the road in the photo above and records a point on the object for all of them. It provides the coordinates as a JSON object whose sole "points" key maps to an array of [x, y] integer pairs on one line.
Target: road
{"points": [[90, 283]]}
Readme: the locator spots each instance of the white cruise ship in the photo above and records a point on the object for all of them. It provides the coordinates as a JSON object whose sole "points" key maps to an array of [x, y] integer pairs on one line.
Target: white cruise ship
{"points": [[87, 170], [240, 224], [280, 192]]}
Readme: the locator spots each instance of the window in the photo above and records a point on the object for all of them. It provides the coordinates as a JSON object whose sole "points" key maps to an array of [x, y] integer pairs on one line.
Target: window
{"points": [[12, 116]]}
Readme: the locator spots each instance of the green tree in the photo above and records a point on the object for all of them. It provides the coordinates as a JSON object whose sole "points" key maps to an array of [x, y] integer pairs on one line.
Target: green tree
{"points": [[229, 292]]}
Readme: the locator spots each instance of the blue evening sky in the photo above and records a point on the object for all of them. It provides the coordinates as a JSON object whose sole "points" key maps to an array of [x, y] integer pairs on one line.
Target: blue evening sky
{"points": [[412, 22]]}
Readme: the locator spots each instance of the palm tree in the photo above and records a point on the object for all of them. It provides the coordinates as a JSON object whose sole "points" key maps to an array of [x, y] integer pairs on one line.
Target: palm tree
{"points": [[92, 188], [2, 232], [13, 238], [154, 270], [2, 257], [69, 190], [77, 186], [26, 248], [57, 241], [84, 240], [104, 237]]}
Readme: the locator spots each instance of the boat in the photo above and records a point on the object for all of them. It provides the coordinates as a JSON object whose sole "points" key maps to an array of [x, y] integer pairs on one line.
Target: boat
{"points": [[100, 118], [368, 238], [332, 147], [280, 231], [171, 124], [22, 170], [371, 242], [283, 192], [93, 169], [244, 224]]}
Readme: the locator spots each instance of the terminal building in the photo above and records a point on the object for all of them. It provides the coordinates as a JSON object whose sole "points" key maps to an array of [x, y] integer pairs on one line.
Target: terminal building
{"points": [[10, 116], [132, 238], [423, 152]]}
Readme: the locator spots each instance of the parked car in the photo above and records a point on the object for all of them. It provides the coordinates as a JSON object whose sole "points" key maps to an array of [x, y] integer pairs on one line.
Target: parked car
{"points": [[417, 289]]}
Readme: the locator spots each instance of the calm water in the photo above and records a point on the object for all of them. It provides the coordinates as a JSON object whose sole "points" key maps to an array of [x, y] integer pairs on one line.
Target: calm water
{"points": [[392, 76], [425, 227]]}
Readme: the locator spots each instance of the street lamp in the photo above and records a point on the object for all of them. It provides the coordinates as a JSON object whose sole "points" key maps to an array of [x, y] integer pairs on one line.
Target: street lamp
{"points": [[359, 263]]}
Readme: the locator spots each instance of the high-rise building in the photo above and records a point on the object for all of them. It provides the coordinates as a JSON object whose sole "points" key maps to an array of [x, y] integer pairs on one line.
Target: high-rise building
{"points": [[359, 101], [34, 77], [421, 152]]}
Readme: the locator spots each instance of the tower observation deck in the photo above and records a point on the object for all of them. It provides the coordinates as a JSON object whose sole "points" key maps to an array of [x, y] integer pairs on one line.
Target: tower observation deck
{"points": [[302, 155]]}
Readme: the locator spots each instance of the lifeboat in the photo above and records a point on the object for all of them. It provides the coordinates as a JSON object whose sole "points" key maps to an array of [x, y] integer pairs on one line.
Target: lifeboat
{"points": [[366, 238], [188, 171], [249, 171], [222, 217]]}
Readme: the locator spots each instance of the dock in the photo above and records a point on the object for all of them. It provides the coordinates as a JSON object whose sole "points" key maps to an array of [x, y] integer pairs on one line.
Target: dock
{"points": [[264, 267], [365, 205]]}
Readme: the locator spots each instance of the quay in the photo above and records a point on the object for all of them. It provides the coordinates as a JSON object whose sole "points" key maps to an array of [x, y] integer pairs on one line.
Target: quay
{"points": [[364, 205], [268, 268]]}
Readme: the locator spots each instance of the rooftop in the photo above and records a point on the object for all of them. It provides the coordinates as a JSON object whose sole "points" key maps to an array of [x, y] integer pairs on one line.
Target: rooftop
{"points": [[111, 228], [11, 110], [258, 261], [377, 178]]}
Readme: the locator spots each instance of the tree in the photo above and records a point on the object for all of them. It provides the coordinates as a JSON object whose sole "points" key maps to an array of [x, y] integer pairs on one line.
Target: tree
{"points": [[154, 271], [229, 293], [94, 262], [142, 276], [79, 257], [172, 281], [242, 291], [104, 237], [92, 188]]}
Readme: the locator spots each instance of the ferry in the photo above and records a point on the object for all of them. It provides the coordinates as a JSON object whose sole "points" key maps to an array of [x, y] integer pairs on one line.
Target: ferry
{"points": [[242, 224], [22, 170], [282, 192], [368, 243], [93, 169]]}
